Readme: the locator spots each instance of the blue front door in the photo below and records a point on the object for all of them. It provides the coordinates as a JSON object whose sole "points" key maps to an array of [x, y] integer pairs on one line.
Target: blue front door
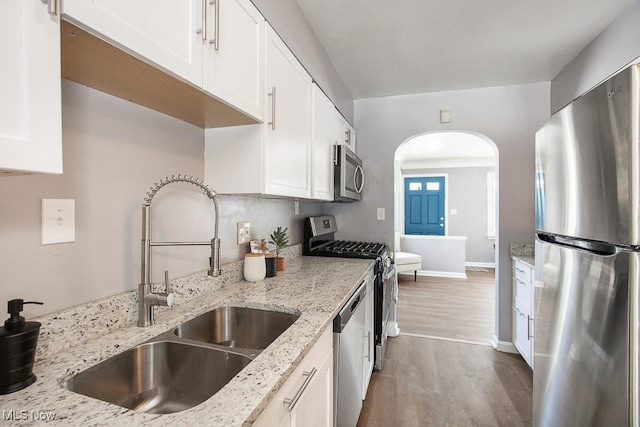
{"points": [[424, 205]]}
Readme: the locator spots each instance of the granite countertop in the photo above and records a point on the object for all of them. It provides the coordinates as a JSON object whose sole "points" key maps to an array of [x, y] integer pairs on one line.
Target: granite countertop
{"points": [[524, 252], [315, 287]]}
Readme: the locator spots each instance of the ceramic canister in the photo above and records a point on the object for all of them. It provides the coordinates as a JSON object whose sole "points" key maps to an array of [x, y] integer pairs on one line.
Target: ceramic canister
{"points": [[254, 267]]}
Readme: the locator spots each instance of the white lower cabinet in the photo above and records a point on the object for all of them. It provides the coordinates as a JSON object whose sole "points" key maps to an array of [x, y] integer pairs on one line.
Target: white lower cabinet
{"points": [[522, 307], [30, 104], [306, 398], [369, 338]]}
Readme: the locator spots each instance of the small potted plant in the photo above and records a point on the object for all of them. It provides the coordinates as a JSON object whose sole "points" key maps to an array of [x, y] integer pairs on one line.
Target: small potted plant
{"points": [[280, 238]]}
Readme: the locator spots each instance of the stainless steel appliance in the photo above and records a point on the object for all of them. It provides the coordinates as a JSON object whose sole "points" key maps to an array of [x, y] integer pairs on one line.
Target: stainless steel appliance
{"points": [[588, 259], [318, 240], [387, 288], [348, 341], [348, 175]]}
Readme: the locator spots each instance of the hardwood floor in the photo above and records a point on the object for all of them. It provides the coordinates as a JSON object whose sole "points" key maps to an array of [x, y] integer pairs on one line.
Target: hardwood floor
{"points": [[459, 309], [428, 382]]}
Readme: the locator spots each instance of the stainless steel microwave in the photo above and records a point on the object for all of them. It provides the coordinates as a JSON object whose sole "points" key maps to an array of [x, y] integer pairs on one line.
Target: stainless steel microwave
{"points": [[348, 175]]}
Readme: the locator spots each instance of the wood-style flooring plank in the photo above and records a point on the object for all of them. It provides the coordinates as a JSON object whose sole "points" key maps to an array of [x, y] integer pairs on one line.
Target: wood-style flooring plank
{"points": [[462, 309], [426, 382]]}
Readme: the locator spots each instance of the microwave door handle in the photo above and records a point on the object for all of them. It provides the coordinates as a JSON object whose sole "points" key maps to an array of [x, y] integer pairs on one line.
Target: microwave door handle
{"points": [[355, 185]]}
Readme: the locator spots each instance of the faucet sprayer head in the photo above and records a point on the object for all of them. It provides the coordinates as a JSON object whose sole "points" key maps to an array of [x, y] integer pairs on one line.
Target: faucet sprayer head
{"points": [[180, 178]]}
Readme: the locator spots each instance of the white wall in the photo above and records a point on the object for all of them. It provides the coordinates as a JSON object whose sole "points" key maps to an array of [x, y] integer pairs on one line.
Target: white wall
{"points": [[614, 48], [508, 115], [466, 192], [114, 151], [286, 17]]}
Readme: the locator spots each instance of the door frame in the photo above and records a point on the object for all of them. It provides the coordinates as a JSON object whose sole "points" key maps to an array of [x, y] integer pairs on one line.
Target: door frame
{"points": [[446, 195]]}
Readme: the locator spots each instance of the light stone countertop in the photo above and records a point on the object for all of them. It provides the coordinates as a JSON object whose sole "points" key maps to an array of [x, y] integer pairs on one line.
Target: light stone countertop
{"points": [[315, 287]]}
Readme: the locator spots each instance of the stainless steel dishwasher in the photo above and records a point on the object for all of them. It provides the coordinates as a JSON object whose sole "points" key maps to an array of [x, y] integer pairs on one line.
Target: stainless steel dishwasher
{"points": [[348, 345]]}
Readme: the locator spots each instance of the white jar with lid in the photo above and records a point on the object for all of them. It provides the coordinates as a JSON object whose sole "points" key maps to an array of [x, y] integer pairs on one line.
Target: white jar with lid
{"points": [[254, 267]]}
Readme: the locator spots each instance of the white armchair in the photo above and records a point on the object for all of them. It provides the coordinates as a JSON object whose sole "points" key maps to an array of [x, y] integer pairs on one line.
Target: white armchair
{"points": [[405, 261]]}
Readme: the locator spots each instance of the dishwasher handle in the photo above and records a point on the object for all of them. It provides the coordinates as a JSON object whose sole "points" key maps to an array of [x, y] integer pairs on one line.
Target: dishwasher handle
{"points": [[349, 308]]}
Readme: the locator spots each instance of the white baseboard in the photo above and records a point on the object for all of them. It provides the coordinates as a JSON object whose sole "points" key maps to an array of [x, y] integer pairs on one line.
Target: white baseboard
{"points": [[432, 337], [430, 273], [503, 346], [480, 264]]}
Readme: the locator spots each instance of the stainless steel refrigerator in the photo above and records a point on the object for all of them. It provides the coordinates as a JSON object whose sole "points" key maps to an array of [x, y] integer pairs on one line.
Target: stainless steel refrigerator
{"points": [[587, 173]]}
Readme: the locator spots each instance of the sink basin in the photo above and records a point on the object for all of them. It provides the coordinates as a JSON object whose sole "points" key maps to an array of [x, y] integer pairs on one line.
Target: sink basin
{"points": [[240, 327], [159, 377]]}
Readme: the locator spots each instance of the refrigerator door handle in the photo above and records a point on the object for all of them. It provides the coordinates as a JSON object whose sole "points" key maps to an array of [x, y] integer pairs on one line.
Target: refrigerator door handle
{"points": [[593, 247]]}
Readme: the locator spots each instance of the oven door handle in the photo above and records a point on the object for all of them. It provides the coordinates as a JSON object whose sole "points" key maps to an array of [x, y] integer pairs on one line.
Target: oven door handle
{"points": [[389, 273]]}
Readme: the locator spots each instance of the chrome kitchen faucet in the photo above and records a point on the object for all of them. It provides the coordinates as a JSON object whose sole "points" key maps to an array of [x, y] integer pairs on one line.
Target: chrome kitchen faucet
{"points": [[147, 299]]}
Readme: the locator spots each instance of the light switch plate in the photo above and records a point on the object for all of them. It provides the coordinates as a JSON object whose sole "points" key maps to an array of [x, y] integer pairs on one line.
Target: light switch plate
{"points": [[244, 232], [380, 214], [58, 221]]}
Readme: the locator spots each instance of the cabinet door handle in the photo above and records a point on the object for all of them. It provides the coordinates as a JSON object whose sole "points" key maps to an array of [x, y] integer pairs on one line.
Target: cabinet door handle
{"points": [[291, 403], [52, 6], [203, 31], [369, 346], [529, 328], [215, 41], [272, 94]]}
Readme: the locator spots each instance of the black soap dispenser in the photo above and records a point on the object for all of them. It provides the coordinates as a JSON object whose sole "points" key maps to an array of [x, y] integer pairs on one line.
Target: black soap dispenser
{"points": [[18, 341]]}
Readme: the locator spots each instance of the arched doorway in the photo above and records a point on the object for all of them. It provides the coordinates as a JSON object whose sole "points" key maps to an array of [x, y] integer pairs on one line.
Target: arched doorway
{"points": [[462, 254]]}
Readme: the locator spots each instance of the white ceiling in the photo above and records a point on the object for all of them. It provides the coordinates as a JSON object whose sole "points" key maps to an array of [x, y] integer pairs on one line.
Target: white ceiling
{"points": [[393, 47]]}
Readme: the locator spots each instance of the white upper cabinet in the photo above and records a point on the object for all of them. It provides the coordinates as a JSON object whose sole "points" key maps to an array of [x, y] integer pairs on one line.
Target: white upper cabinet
{"points": [[321, 146], [351, 137], [272, 158], [287, 147], [234, 55], [343, 132], [166, 33], [30, 105]]}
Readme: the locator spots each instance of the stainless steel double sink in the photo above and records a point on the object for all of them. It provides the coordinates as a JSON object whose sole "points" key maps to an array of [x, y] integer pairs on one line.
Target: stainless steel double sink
{"points": [[184, 366]]}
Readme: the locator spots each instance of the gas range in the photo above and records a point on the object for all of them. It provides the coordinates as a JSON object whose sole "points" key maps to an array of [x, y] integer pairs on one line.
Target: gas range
{"points": [[350, 249], [319, 241]]}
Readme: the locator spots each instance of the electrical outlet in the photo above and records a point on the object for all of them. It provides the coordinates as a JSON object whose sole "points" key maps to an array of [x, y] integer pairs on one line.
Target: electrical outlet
{"points": [[244, 232], [380, 214]]}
